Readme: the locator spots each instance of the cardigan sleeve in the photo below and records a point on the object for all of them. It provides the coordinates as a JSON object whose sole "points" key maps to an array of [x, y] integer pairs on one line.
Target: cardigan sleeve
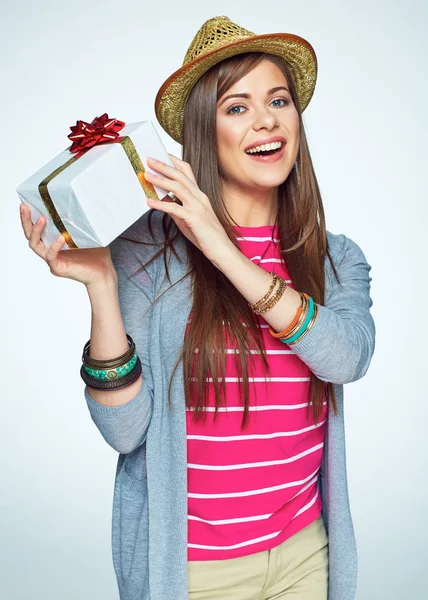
{"points": [[340, 345], [124, 427]]}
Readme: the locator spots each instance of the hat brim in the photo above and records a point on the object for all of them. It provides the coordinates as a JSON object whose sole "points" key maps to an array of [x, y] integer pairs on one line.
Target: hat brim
{"points": [[173, 94]]}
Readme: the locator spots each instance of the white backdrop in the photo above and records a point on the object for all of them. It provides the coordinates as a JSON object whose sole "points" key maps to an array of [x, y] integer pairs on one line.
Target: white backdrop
{"points": [[367, 129]]}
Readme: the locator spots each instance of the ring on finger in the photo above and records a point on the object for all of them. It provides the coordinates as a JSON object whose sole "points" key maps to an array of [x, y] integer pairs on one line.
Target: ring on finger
{"points": [[176, 200]]}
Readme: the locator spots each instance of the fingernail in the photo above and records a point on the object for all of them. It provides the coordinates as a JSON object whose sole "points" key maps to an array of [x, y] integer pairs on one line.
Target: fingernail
{"points": [[21, 209], [39, 220]]}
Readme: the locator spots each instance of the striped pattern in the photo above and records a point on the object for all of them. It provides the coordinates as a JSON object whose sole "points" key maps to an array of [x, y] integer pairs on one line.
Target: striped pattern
{"points": [[250, 490]]}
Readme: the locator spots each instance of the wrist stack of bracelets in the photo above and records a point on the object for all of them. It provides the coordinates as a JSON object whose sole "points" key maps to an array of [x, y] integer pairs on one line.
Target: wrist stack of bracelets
{"points": [[111, 374], [125, 369], [303, 321]]}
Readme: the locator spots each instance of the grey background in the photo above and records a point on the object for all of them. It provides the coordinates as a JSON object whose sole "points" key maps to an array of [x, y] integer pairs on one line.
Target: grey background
{"points": [[367, 129]]}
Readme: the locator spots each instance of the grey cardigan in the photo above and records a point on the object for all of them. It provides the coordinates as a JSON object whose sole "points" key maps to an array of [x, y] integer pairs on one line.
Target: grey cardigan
{"points": [[149, 520]]}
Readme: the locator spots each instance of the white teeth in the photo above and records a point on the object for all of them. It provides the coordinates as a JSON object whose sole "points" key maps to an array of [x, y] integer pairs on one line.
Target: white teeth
{"points": [[264, 147]]}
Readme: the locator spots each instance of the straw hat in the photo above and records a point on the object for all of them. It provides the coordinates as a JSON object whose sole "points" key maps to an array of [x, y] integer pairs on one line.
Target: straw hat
{"points": [[219, 38]]}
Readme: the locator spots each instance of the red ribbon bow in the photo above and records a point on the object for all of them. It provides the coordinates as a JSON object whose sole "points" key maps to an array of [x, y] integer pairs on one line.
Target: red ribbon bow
{"points": [[101, 130]]}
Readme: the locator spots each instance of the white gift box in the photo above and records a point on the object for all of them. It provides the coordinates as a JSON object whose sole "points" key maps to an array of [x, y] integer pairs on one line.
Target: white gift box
{"points": [[100, 193]]}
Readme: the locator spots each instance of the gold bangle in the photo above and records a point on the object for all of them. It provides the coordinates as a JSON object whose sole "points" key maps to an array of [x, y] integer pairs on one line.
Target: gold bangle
{"points": [[259, 302], [301, 320], [302, 317], [286, 331], [274, 299], [309, 327]]}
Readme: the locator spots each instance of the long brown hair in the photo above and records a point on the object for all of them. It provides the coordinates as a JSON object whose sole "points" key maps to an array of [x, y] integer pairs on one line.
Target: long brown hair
{"points": [[216, 302]]}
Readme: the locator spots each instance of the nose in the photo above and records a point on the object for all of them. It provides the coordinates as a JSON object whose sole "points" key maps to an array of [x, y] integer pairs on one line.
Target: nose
{"points": [[264, 118]]}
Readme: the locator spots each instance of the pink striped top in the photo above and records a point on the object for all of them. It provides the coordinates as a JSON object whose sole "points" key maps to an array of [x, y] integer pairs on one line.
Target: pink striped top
{"points": [[249, 490]]}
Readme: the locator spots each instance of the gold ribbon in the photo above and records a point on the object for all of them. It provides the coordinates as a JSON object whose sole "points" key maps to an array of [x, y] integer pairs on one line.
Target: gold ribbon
{"points": [[136, 162]]}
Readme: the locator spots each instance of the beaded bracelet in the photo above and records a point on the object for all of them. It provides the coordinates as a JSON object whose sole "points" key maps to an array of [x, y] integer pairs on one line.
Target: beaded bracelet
{"points": [[274, 299], [266, 296]]}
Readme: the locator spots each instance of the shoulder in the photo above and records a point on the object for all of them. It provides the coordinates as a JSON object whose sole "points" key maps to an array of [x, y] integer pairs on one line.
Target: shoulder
{"points": [[148, 228], [140, 242], [343, 249], [351, 265]]}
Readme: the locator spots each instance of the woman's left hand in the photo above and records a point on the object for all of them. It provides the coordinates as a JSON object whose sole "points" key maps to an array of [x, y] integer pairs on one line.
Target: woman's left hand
{"points": [[195, 218]]}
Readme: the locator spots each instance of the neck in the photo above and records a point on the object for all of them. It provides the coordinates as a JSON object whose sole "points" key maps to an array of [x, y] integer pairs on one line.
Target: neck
{"points": [[250, 207]]}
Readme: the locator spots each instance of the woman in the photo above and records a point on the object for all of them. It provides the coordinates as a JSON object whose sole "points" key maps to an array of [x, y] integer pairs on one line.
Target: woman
{"points": [[229, 320]]}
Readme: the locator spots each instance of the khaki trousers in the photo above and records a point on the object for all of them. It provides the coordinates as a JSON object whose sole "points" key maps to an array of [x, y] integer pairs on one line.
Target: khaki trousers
{"points": [[297, 569]]}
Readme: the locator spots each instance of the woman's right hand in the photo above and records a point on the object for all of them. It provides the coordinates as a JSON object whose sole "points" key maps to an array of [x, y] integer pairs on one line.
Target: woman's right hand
{"points": [[87, 265]]}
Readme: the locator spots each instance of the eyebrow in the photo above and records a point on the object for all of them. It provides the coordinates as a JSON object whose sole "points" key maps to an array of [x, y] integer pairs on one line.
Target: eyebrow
{"points": [[243, 95]]}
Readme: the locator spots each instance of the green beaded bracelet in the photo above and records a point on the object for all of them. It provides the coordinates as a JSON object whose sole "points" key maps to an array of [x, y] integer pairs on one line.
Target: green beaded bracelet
{"points": [[108, 374]]}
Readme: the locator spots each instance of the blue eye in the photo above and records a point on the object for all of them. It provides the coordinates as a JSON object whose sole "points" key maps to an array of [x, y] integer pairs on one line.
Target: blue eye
{"points": [[232, 112], [284, 99]]}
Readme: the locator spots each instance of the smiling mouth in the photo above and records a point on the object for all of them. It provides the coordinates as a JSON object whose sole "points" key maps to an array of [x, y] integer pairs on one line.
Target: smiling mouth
{"points": [[251, 152]]}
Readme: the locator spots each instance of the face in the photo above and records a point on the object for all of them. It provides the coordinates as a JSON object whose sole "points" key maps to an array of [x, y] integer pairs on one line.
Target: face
{"points": [[258, 114]]}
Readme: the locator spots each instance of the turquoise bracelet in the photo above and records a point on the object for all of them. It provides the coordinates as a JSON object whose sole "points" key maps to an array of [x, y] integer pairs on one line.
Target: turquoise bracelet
{"points": [[303, 327], [117, 373]]}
